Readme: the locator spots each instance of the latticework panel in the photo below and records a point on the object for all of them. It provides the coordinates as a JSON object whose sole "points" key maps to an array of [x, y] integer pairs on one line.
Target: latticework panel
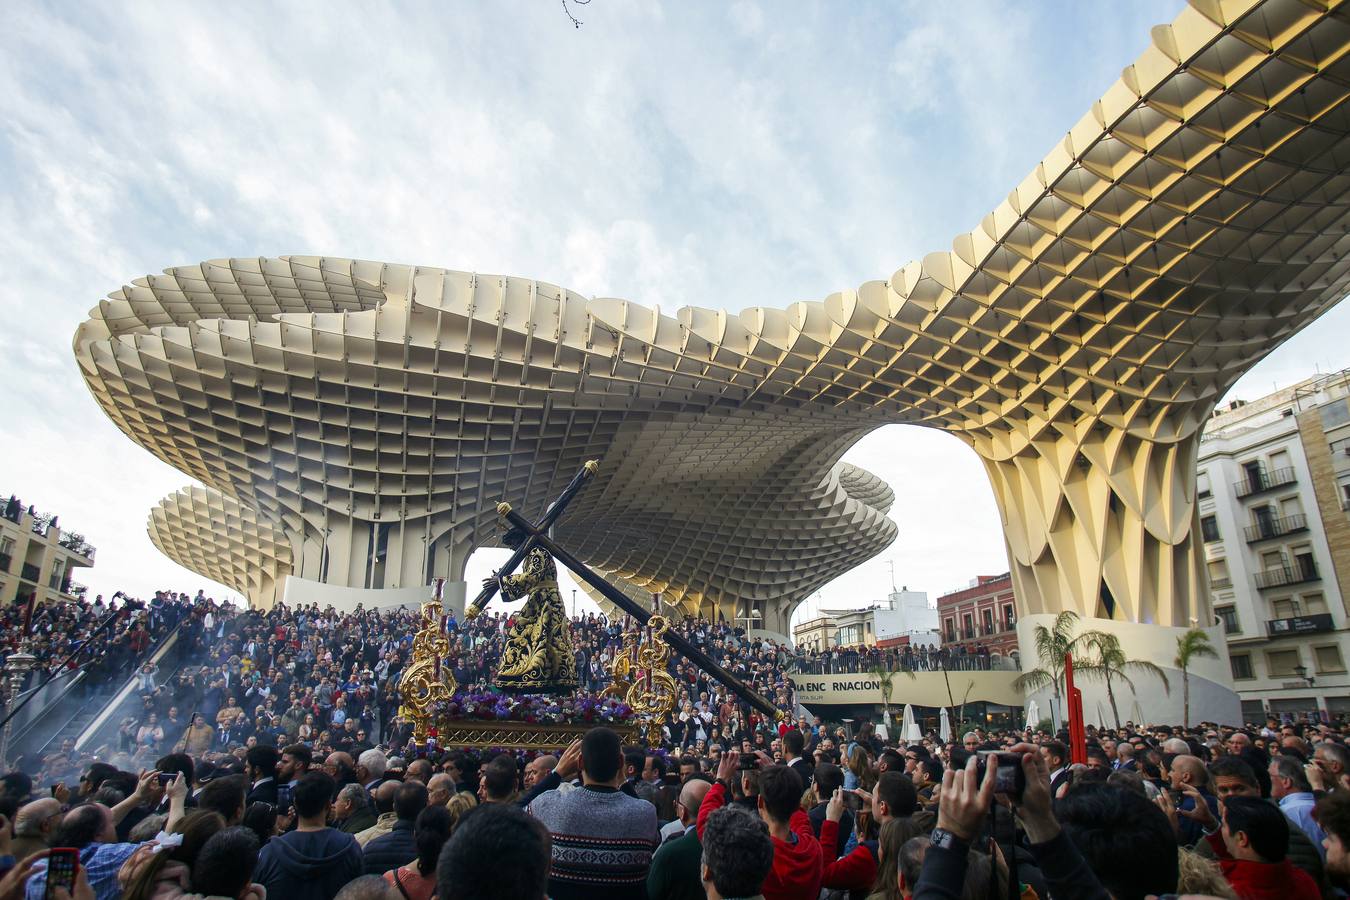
{"points": [[1077, 339], [216, 536]]}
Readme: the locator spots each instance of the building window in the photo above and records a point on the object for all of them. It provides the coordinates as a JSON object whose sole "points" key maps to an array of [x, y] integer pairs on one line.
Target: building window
{"points": [[1329, 658], [951, 629], [1284, 608], [1314, 604], [1282, 662], [988, 617], [1009, 617], [1242, 666], [1304, 565], [968, 626], [1209, 527], [1228, 616]]}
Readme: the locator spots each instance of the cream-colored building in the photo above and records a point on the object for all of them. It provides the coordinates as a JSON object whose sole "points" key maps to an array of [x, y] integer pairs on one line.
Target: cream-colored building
{"points": [[1274, 488], [1077, 339], [816, 634], [37, 559]]}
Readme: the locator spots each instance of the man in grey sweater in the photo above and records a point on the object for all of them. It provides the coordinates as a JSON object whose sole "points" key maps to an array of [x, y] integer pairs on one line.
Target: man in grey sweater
{"points": [[603, 839]]}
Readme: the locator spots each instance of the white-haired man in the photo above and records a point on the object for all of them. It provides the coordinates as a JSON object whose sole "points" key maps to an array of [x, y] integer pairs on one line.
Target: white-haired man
{"points": [[370, 769]]}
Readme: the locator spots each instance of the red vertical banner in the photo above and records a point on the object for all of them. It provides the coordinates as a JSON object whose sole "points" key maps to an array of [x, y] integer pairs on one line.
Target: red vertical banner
{"points": [[1077, 733]]}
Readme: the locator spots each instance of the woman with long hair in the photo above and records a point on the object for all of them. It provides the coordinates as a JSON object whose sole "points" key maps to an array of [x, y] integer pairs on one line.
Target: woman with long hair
{"points": [[894, 835], [858, 768], [417, 880], [162, 868]]}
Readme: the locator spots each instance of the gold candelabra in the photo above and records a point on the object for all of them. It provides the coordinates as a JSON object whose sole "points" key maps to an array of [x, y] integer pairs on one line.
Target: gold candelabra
{"points": [[638, 676], [428, 680]]}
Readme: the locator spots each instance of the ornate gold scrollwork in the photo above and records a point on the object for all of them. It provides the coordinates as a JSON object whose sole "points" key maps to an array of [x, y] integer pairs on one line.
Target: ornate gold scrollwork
{"points": [[427, 680], [649, 688], [621, 669]]}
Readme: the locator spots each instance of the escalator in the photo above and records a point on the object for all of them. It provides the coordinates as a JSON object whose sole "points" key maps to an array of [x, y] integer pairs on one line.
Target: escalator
{"points": [[86, 704]]}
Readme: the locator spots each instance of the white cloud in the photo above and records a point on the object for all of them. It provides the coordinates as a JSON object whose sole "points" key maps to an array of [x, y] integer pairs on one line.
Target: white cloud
{"points": [[722, 156]]}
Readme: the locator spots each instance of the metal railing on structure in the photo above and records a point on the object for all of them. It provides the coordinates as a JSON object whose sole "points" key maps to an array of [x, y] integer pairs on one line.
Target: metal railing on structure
{"points": [[1273, 528], [1287, 575], [67, 719], [104, 724], [1257, 482], [34, 703]]}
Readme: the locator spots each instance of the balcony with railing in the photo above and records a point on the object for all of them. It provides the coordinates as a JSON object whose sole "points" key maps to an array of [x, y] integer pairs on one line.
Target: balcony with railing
{"points": [[30, 572], [1220, 584], [1287, 575], [76, 544], [1258, 482], [5, 562], [1273, 528]]}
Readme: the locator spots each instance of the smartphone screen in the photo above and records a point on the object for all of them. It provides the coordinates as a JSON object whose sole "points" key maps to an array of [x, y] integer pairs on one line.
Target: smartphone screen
{"points": [[62, 865]]}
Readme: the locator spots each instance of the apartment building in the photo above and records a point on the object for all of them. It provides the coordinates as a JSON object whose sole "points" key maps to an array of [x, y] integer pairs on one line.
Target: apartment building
{"points": [[37, 558], [903, 618], [1273, 484], [982, 614]]}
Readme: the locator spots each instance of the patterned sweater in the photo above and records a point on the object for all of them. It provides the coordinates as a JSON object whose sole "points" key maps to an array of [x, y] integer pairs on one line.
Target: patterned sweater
{"points": [[603, 841]]}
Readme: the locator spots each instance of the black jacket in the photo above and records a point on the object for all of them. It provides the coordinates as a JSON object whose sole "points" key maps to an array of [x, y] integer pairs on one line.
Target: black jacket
{"points": [[805, 770], [309, 865], [817, 816], [264, 793], [389, 851]]}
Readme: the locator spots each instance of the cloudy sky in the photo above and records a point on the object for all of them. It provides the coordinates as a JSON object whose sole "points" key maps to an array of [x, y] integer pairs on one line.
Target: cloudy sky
{"points": [[710, 153]]}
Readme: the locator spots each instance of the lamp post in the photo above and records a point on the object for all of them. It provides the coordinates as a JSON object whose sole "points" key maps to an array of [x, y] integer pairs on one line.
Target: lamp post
{"points": [[17, 666], [1302, 672]]}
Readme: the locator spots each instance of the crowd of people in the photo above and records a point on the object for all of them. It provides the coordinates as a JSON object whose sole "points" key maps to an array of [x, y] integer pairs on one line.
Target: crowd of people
{"points": [[1261, 812], [911, 657], [329, 680], [269, 757], [106, 639]]}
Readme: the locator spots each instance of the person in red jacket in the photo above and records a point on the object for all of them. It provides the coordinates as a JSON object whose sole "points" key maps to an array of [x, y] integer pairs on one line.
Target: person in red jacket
{"points": [[1251, 849], [796, 852], [894, 797]]}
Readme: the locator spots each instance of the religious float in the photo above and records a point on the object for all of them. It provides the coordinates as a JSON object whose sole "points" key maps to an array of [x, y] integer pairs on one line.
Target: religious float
{"points": [[536, 705]]}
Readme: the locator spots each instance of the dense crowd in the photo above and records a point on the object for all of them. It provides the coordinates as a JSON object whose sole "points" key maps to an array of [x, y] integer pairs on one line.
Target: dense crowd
{"points": [[911, 657], [1259, 812], [329, 680], [105, 639], [275, 761]]}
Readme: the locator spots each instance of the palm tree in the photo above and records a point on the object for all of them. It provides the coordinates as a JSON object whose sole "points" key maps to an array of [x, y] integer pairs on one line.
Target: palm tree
{"points": [[1052, 645], [1193, 644], [1112, 663], [883, 675]]}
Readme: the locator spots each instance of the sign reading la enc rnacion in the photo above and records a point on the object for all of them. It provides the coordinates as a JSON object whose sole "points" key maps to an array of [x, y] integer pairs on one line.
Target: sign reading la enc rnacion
{"points": [[921, 688]]}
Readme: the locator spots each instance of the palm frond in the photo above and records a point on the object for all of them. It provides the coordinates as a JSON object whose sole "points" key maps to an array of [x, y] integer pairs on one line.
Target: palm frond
{"points": [[1033, 680], [1143, 667], [1193, 644]]}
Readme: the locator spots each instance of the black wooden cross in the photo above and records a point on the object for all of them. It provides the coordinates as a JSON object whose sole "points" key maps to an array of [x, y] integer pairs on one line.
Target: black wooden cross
{"points": [[537, 535]]}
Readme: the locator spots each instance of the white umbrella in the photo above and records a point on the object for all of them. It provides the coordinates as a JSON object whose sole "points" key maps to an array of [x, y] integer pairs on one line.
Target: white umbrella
{"points": [[945, 728], [1033, 715], [909, 728]]}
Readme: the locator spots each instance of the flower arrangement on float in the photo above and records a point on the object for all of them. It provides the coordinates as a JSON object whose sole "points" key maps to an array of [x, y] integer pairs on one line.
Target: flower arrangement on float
{"points": [[535, 709]]}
